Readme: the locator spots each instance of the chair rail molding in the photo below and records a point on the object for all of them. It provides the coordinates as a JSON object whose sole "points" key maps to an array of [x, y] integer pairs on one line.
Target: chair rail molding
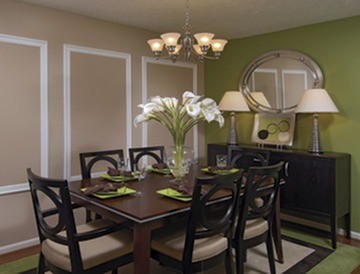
{"points": [[42, 45], [144, 70], [68, 50]]}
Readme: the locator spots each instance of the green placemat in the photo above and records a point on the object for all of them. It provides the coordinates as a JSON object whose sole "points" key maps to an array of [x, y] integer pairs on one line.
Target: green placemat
{"points": [[174, 194], [161, 171], [117, 178], [220, 171]]}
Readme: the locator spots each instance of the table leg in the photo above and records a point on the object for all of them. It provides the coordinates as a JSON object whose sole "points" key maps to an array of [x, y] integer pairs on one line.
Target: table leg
{"points": [[277, 231], [142, 238]]}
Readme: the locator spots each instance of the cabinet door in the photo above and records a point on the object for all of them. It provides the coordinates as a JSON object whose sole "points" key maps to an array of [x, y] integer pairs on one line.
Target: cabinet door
{"points": [[308, 184]]}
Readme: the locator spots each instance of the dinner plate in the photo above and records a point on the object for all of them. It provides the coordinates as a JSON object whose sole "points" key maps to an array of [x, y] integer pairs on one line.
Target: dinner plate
{"points": [[220, 172], [158, 170], [122, 191], [118, 178], [174, 194]]}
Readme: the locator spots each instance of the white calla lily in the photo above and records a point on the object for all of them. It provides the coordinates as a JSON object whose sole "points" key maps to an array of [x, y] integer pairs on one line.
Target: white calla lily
{"points": [[140, 118], [193, 110], [190, 98]]}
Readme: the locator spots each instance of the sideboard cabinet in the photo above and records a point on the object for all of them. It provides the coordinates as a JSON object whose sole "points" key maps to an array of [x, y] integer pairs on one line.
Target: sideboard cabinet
{"points": [[317, 186]]}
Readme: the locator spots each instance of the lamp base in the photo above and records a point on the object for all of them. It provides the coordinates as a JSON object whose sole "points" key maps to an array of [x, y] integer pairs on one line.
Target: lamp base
{"points": [[232, 138], [314, 144]]}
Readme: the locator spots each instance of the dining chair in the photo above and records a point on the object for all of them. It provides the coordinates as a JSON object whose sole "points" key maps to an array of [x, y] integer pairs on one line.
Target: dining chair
{"points": [[95, 247], [254, 219], [243, 158], [240, 157], [156, 153], [205, 239], [89, 159]]}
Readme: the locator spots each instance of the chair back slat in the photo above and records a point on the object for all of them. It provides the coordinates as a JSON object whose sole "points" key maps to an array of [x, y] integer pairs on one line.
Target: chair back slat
{"points": [[203, 222], [261, 183], [109, 156], [154, 152], [242, 158]]}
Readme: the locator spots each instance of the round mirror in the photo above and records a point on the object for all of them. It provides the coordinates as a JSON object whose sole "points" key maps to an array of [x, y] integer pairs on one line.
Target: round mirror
{"points": [[275, 81]]}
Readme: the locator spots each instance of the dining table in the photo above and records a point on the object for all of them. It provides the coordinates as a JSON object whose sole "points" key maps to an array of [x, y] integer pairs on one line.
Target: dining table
{"points": [[145, 209]]}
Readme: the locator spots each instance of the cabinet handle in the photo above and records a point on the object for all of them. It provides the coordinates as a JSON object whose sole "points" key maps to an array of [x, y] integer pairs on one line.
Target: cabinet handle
{"points": [[286, 169]]}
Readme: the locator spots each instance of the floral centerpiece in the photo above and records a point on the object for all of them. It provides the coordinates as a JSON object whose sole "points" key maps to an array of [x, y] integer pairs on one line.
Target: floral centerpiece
{"points": [[179, 118]]}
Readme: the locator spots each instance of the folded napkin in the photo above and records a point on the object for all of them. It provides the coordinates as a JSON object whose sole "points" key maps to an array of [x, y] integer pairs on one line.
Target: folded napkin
{"points": [[185, 189], [115, 172], [108, 187], [159, 165]]}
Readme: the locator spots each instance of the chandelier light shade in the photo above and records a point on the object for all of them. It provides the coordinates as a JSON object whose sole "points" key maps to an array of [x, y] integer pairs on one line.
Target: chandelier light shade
{"points": [[185, 46], [233, 101], [316, 101]]}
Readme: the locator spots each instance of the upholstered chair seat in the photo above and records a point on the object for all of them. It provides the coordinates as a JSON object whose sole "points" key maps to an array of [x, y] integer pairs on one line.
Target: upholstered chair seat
{"points": [[93, 252], [254, 228], [171, 242]]}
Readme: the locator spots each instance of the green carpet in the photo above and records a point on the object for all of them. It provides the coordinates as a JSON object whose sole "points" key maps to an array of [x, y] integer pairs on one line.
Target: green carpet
{"points": [[19, 266], [342, 261]]}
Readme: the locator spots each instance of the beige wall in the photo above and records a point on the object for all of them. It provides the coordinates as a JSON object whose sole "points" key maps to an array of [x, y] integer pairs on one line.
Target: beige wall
{"points": [[89, 107]]}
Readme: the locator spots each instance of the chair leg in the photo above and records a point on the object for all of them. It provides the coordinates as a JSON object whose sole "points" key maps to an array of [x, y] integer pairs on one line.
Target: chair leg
{"points": [[114, 271], [88, 216], [270, 252], [41, 264], [239, 259], [228, 261]]}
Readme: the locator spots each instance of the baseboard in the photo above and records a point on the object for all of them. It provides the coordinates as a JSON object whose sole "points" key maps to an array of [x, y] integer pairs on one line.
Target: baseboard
{"points": [[317, 225], [18, 246], [353, 235]]}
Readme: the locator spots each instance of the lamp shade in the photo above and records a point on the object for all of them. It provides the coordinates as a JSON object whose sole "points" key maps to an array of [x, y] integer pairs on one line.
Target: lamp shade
{"points": [[204, 38], [170, 38], [316, 101], [156, 44], [233, 101], [217, 45]]}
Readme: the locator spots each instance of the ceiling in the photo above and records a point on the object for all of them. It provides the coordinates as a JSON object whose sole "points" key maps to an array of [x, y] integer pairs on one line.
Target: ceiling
{"points": [[228, 19]]}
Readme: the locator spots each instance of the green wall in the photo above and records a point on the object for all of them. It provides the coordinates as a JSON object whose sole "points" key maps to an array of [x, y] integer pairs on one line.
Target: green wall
{"points": [[335, 46]]}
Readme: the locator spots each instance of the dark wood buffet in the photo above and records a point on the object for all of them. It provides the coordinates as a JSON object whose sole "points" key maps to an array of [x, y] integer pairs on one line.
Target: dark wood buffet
{"points": [[317, 186]]}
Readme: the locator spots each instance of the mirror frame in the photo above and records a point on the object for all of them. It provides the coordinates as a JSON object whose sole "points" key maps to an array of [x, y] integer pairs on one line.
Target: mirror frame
{"points": [[269, 56]]}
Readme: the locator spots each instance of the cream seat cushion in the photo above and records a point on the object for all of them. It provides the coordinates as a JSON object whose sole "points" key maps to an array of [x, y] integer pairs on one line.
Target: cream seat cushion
{"points": [[255, 228], [171, 242], [94, 252]]}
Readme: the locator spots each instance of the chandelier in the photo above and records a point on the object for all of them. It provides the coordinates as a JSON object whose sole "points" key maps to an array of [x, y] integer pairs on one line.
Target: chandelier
{"points": [[184, 47]]}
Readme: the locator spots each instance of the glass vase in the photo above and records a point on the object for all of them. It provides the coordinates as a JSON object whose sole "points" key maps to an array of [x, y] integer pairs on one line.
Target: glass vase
{"points": [[179, 158]]}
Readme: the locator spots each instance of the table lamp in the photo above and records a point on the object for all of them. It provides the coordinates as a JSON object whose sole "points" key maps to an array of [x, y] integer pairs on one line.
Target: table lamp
{"points": [[233, 101], [316, 101]]}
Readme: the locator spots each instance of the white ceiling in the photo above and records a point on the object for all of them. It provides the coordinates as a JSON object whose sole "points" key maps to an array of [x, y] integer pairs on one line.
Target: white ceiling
{"points": [[226, 18]]}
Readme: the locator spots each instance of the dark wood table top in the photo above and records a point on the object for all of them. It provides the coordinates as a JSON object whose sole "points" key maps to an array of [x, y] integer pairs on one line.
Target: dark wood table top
{"points": [[144, 207]]}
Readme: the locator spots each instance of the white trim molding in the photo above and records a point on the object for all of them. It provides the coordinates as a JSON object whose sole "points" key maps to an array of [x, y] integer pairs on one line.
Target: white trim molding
{"points": [[68, 49], [44, 116], [144, 62], [19, 245]]}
